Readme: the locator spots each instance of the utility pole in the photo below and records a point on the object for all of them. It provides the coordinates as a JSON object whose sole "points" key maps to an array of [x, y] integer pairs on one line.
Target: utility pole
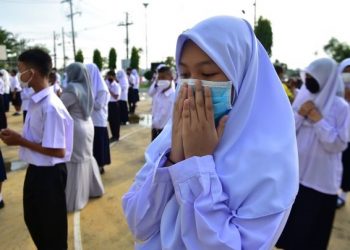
{"points": [[64, 49], [126, 24], [254, 13], [54, 50], [146, 4], [71, 15]]}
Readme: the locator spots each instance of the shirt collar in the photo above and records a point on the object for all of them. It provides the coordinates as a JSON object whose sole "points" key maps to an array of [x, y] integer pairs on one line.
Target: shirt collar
{"points": [[37, 97]]}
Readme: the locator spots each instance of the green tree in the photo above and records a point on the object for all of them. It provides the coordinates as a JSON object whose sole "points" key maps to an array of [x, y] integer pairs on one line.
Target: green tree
{"points": [[135, 58], [97, 59], [337, 50], [79, 57], [112, 59], [170, 61], [263, 32]]}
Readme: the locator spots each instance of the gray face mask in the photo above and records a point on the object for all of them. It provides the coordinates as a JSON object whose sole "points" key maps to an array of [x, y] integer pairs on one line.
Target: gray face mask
{"points": [[220, 94]]}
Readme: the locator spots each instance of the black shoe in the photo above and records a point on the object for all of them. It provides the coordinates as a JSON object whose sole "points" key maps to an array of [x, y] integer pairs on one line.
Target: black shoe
{"points": [[102, 170], [2, 204], [340, 202], [112, 139]]}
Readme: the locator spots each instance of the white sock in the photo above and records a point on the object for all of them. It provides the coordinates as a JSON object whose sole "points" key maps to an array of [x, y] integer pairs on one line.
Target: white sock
{"points": [[0, 197], [342, 195]]}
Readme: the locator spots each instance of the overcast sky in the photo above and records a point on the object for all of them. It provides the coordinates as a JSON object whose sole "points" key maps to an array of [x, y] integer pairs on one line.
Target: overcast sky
{"points": [[300, 27]]}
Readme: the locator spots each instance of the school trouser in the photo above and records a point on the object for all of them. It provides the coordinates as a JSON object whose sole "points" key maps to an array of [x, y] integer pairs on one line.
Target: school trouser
{"points": [[44, 203], [124, 116], [3, 119], [114, 119], [156, 132], [7, 100], [310, 222]]}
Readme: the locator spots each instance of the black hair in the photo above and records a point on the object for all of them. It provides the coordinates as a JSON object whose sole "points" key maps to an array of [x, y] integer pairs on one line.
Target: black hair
{"points": [[53, 76], [38, 59], [13, 71], [111, 73], [164, 69], [279, 69]]}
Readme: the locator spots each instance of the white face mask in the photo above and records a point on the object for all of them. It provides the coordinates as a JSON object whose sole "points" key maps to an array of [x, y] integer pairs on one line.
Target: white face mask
{"points": [[19, 75], [346, 77], [163, 83]]}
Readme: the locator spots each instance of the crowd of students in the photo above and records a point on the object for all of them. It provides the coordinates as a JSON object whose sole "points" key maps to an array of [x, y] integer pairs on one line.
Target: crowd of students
{"points": [[238, 160]]}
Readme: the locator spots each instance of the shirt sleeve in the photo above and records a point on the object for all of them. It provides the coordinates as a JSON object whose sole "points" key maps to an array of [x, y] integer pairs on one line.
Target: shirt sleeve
{"points": [[100, 100], [145, 201], [152, 90], [205, 216], [68, 99]]}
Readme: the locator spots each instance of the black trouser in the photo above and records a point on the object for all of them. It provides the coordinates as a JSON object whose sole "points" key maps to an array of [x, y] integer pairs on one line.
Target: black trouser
{"points": [[3, 119], [124, 116], [310, 222], [345, 183], [114, 119], [24, 115], [155, 132], [7, 99], [44, 203]]}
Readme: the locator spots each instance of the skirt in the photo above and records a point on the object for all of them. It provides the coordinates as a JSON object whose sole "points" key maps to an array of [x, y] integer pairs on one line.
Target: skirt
{"points": [[2, 169], [309, 225], [101, 146], [345, 183], [3, 119]]}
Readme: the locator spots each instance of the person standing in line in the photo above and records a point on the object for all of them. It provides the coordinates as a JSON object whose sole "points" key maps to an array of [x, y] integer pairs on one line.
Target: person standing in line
{"points": [[136, 88], [123, 81], [113, 106], [231, 118], [99, 117], [7, 97], [163, 97], [83, 176], [15, 92], [344, 71], [322, 122], [3, 118], [131, 92], [46, 145]]}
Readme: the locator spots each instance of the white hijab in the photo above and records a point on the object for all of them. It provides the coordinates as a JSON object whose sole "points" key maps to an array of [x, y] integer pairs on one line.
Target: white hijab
{"points": [[325, 71], [98, 84], [122, 78], [136, 75], [343, 64], [256, 159]]}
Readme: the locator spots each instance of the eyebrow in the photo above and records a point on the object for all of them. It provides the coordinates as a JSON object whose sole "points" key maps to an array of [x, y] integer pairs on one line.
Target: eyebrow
{"points": [[202, 63]]}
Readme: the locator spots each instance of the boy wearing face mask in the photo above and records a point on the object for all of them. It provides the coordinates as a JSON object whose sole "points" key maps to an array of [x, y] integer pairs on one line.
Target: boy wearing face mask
{"points": [[163, 96], [46, 144], [113, 106]]}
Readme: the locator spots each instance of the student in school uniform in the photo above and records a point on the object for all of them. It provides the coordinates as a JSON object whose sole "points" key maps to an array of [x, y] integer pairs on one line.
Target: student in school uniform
{"points": [[131, 92], [83, 176], [113, 106], [322, 122], [3, 118], [123, 81], [16, 89], [163, 97], [136, 87], [6, 78], [46, 144], [223, 174], [99, 117], [26, 94]]}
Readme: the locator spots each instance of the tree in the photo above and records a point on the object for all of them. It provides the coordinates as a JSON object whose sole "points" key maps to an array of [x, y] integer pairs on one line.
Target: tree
{"points": [[97, 59], [112, 59], [170, 61], [337, 50], [135, 58], [79, 57], [263, 32]]}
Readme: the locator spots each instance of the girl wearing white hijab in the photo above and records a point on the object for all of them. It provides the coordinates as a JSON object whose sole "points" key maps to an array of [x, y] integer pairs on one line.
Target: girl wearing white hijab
{"points": [[99, 116], [344, 72], [322, 127], [122, 79], [229, 186]]}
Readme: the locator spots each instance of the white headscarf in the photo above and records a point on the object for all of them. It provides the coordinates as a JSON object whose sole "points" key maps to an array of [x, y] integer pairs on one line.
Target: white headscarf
{"points": [[136, 75], [98, 84], [325, 71], [256, 159], [122, 78], [343, 64]]}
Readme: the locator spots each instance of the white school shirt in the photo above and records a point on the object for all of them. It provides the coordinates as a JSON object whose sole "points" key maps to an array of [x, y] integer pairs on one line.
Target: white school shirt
{"points": [[14, 84], [99, 113], [320, 146], [47, 123], [162, 105], [115, 89], [124, 85], [2, 87], [26, 94]]}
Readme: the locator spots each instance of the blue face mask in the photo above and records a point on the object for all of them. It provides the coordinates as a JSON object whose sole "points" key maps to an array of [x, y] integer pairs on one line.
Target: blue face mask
{"points": [[220, 94]]}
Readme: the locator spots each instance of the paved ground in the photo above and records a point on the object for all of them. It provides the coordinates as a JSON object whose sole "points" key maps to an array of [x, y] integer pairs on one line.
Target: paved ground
{"points": [[101, 225]]}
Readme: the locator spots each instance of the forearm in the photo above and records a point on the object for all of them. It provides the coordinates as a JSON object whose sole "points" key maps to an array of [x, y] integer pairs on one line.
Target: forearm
{"points": [[54, 152]]}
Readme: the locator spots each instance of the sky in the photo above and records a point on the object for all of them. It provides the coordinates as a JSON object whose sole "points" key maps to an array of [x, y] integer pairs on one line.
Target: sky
{"points": [[300, 27]]}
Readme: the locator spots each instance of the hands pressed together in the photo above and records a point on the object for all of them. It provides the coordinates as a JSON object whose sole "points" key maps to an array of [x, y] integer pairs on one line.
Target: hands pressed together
{"points": [[194, 132], [310, 111]]}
